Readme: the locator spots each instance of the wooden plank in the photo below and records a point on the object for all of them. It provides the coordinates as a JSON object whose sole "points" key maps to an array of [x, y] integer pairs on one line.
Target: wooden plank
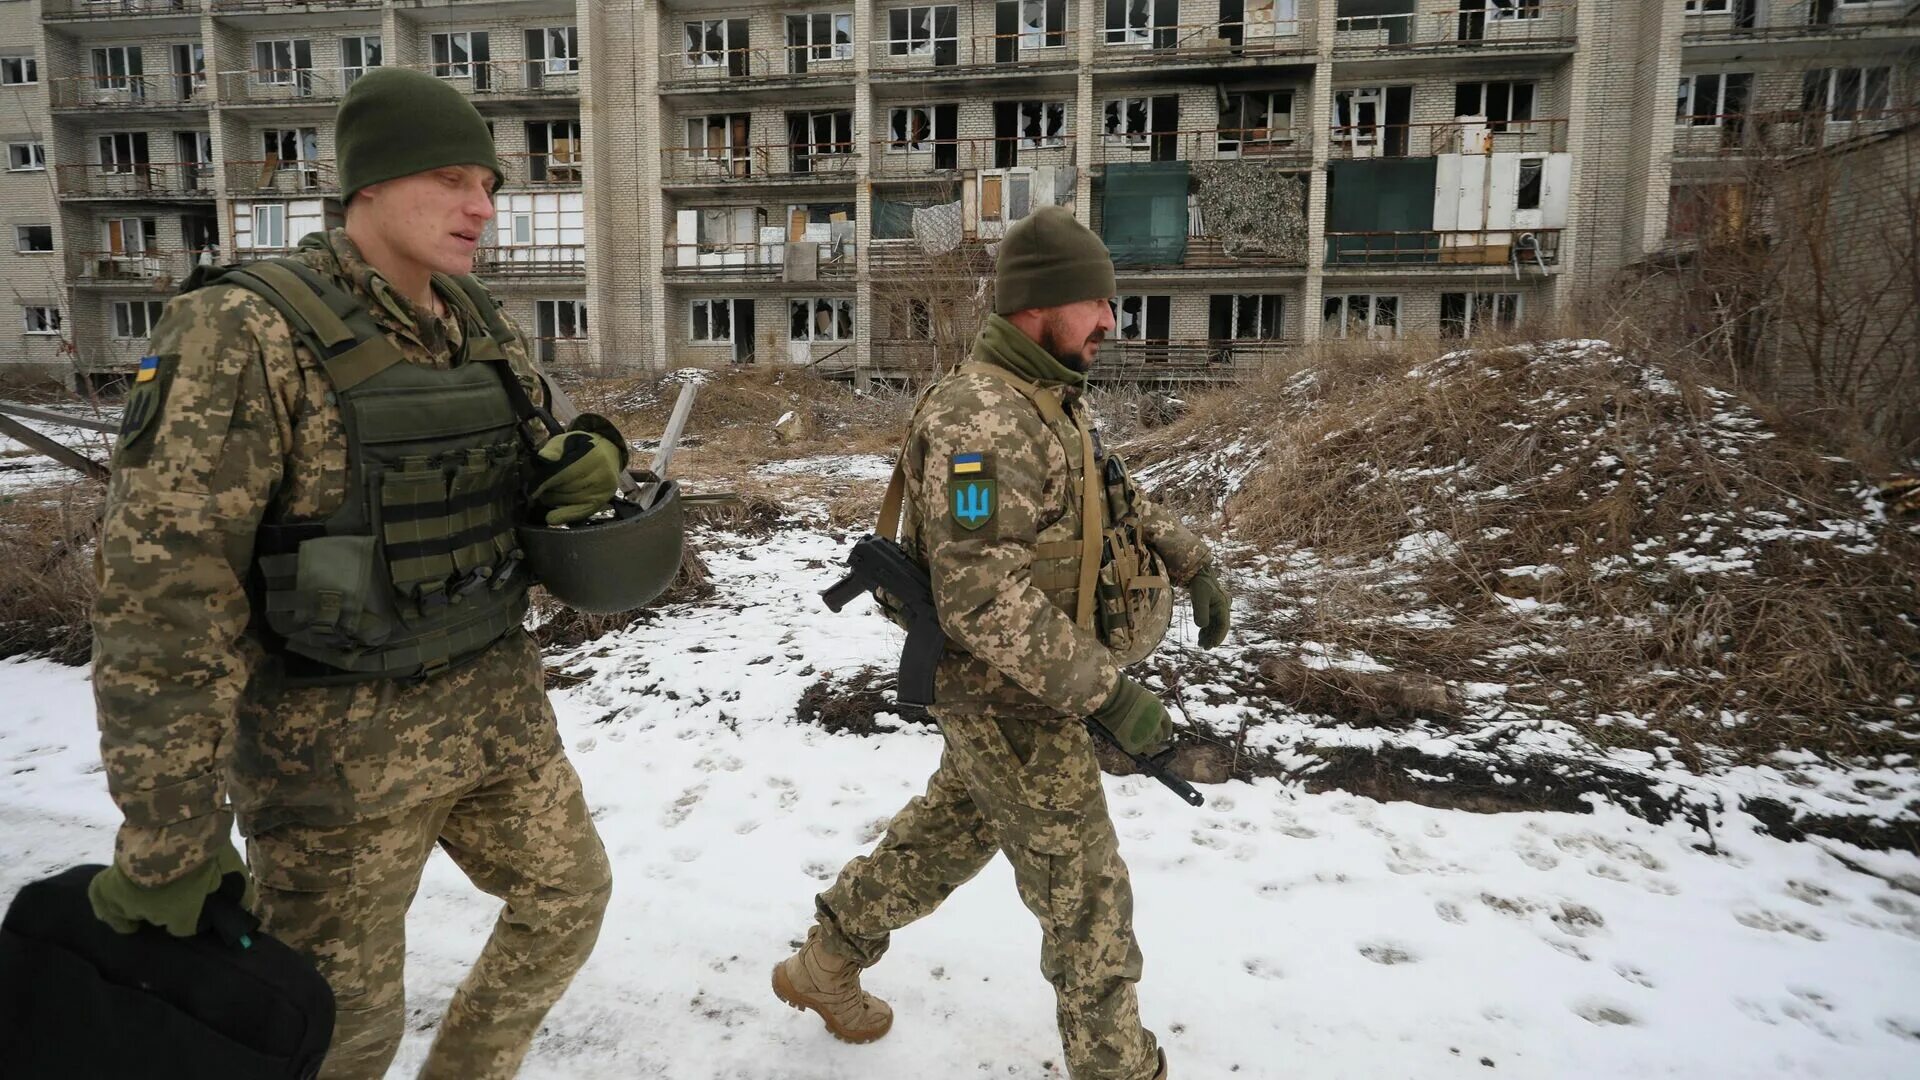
{"points": [[14, 429], [670, 439], [28, 412]]}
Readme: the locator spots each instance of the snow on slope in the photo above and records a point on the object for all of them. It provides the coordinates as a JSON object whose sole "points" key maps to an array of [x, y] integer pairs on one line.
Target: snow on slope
{"points": [[1286, 934]]}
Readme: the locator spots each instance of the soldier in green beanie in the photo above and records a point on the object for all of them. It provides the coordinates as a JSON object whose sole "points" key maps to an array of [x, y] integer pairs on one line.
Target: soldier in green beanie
{"points": [[1051, 573], [311, 602]]}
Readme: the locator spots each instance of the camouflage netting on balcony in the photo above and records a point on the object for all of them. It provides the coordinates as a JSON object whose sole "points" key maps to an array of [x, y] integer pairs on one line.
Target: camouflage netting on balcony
{"points": [[1251, 207]]}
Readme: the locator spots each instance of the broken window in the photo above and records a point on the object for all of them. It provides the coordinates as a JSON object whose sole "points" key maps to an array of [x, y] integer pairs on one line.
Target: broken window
{"points": [[553, 151], [821, 35], [123, 151], [1042, 23], [1246, 317], [1848, 94], [1255, 121], [1708, 7], [818, 135], [135, 319], [1005, 197], [723, 138], [118, 67], [1141, 318], [919, 320], [1042, 123], [1131, 22], [1502, 103], [1707, 100], [1357, 115], [1463, 315], [1361, 315], [292, 150], [915, 31], [910, 128], [1532, 181], [40, 319], [820, 319], [1129, 120], [712, 42], [712, 321]]}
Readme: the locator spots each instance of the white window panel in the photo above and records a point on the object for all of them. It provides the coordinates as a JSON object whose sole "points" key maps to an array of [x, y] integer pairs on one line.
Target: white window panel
{"points": [[19, 71], [135, 319], [1361, 315], [915, 31], [279, 61], [710, 321], [26, 157], [41, 319], [1042, 124]]}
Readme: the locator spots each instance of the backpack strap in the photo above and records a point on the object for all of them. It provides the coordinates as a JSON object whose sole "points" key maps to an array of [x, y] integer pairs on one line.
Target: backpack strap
{"points": [[1090, 490], [480, 309]]}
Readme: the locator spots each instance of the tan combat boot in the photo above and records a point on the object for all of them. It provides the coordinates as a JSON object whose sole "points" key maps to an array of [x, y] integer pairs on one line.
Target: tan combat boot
{"points": [[815, 979]]}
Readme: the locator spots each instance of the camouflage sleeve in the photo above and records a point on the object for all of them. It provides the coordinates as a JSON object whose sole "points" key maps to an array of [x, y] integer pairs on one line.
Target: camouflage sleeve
{"points": [[1180, 548], [519, 350], [199, 455], [982, 577]]}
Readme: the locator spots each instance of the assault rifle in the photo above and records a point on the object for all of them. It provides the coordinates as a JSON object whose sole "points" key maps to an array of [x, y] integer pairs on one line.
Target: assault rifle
{"points": [[879, 563]]}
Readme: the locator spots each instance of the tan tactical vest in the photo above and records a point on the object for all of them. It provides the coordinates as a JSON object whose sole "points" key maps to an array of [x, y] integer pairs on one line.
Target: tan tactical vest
{"points": [[1094, 562]]}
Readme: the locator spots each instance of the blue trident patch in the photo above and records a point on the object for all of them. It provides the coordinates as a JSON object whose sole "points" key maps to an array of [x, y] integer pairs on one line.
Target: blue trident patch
{"points": [[973, 502]]}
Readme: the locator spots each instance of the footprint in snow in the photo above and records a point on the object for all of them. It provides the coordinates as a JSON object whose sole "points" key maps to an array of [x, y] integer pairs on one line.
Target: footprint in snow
{"points": [[1449, 911], [1758, 919], [1209, 840], [1388, 953], [1221, 804], [683, 806], [1298, 832], [745, 827], [1261, 968], [1538, 858], [1903, 1027], [719, 763], [1578, 920], [1808, 893], [1604, 1013], [817, 871], [1633, 975]]}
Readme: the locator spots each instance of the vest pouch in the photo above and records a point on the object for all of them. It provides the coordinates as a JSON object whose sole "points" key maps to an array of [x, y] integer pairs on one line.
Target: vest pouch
{"points": [[338, 599], [1135, 606], [417, 533]]}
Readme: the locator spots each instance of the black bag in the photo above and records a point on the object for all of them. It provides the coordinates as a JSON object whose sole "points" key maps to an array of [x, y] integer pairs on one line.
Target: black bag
{"points": [[79, 1001]]}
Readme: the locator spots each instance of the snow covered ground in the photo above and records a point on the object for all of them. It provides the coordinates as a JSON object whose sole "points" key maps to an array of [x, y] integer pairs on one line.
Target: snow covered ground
{"points": [[23, 470], [1286, 934]]}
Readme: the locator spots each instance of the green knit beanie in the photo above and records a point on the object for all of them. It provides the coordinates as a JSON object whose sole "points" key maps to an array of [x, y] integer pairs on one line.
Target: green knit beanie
{"points": [[394, 122], [1048, 259]]}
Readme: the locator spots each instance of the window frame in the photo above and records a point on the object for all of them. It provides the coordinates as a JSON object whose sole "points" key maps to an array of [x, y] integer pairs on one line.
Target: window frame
{"points": [[123, 320], [51, 322], [1043, 141], [817, 51], [1511, 87], [707, 305], [1275, 136], [272, 74], [1237, 304], [1372, 324], [568, 56], [348, 71], [130, 56], [1686, 112], [836, 306], [929, 45], [36, 157], [1708, 7], [909, 144], [26, 64], [1477, 306], [546, 315], [451, 68], [20, 233], [696, 59]]}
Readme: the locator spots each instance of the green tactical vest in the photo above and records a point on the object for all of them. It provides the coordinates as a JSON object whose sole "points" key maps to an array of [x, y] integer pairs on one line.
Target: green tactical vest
{"points": [[419, 569]]}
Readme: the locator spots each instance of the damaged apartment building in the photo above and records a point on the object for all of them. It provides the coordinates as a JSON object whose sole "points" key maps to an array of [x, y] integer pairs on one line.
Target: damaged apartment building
{"points": [[703, 182]]}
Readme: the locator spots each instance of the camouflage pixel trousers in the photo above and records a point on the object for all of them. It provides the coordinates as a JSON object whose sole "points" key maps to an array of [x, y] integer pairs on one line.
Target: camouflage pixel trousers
{"points": [[1029, 789], [340, 895]]}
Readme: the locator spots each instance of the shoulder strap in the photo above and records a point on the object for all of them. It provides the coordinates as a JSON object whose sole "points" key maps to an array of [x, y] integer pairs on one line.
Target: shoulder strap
{"points": [[888, 527], [326, 318], [1051, 412], [480, 307]]}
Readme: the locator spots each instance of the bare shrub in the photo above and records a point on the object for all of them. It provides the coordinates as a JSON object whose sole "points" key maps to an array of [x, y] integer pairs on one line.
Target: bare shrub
{"points": [[46, 572]]}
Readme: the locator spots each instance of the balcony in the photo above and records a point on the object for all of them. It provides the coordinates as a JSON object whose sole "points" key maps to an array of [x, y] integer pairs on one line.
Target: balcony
{"points": [[758, 262], [119, 93], [906, 261], [77, 10], [270, 7], [1815, 29], [924, 158], [1205, 43], [155, 269], [493, 79], [1532, 25], [144, 180], [1184, 359], [276, 177], [1001, 54], [775, 162], [1511, 249], [1545, 136], [1760, 135], [531, 261], [284, 86], [713, 69], [1281, 148], [542, 172]]}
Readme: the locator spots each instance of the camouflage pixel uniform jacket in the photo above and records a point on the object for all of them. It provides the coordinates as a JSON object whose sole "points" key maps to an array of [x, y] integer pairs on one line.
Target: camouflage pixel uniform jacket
{"points": [[241, 428]]}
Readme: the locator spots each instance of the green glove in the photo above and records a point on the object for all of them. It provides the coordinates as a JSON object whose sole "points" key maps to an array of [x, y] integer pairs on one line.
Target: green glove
{"points": [[1136, 718], [1211, 608], [579, 470], [175, 906]]}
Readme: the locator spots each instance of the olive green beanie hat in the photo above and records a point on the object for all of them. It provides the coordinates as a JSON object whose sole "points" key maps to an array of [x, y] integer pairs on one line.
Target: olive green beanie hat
{"points": [[394, 122], [1048, 259]]}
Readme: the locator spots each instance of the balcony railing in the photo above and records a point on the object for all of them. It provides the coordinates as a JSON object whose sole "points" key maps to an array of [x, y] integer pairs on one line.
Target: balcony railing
{"points": [[115, 9], [284, 86], [543, 170], [505, 78], [1761, 134], [231, 7], [681, 68], [1448, 137], [158, 268], [1205, 41], [1524, 25], [145, 180], [1286, 148], [1518, 248], [916, 157], [1187, 359], [896, 260], [755, 260], [1839, 22], [765, 161], [117, 92], [1025, 51], [274, 176], [1210, 253], [531, 260]]}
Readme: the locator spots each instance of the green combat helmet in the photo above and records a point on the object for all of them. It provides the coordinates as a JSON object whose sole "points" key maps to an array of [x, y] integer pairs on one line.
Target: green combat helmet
{"points": [[610, 564]]}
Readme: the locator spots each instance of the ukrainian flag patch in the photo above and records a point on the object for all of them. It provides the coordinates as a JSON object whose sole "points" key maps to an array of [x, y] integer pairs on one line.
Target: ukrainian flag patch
{"points": [[963, 464], [149, 369]]}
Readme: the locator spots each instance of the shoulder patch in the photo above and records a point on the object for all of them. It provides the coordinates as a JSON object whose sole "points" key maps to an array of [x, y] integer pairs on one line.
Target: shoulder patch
{"points": [[149, 391], [973, 501], [969, 464]]}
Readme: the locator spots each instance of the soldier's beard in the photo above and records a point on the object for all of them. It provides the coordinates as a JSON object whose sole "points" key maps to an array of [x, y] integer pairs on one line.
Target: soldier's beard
{"points": [[1074, 356]]}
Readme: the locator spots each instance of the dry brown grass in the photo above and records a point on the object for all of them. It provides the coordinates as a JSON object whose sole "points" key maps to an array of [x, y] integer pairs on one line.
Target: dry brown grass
{"points": [[1814, 648], [46, 571]]}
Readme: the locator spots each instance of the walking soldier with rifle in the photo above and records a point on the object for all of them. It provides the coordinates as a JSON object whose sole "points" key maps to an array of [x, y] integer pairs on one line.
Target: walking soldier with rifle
{"points": [[335, 481], [1049, 572]]}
